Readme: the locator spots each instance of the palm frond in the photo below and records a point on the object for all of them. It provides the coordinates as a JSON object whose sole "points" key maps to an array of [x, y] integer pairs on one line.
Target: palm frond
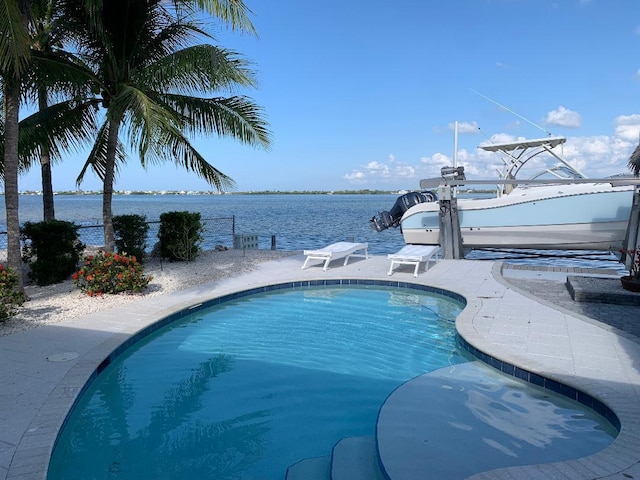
{"points": [[173, 146], [200, 68], [15, 44], [167, 37], [63, 127], [146, 119], [97, 159], [62, 76], [232, 12], [235, 117]]}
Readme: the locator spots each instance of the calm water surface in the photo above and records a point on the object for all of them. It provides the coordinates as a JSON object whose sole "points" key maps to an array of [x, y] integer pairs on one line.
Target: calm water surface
{"points": [[298, 222]]}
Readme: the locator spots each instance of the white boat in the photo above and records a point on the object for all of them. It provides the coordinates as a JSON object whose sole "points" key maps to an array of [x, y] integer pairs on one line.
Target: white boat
{"points": [[567, 212]]}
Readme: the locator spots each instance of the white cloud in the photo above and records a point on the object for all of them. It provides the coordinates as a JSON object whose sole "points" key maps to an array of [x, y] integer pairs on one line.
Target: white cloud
{"points": [[603, 155], [466, 127], [380, 172], [432, 165], [376, 167], [563, 117], [596, 156], [628, 127], [355, 177]]}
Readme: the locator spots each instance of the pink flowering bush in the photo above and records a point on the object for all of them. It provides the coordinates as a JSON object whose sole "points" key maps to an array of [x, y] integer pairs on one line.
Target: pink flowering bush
{"points": [[110, 273]]}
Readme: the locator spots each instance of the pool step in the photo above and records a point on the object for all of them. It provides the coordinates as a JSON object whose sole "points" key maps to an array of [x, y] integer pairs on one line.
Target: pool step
{"points": [[352, 458], [355, 458], [404, 429], [316, 468]]}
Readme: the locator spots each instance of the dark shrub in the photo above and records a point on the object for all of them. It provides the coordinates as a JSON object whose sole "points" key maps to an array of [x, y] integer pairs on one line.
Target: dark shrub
{"points": [[55, 245], [10, 297], [180, 235], [131, 234]]}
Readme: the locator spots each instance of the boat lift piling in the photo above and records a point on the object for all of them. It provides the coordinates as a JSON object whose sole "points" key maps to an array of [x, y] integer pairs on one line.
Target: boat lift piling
{"points": [[450, 237], [632, 238], [449, 220]]}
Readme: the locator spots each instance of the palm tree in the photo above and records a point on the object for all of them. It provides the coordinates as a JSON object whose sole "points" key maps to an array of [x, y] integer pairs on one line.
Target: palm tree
{"points": [[65, 79], [15, 56], [156, 87], [42, 11], [24, 69]]}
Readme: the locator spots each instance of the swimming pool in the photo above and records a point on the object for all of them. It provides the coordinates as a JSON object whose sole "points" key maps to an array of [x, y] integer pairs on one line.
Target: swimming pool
{"points": [[248, 387]]}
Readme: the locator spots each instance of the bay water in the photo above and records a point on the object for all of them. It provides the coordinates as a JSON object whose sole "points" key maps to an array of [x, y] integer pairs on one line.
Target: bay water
{"points": [[294, 221]]}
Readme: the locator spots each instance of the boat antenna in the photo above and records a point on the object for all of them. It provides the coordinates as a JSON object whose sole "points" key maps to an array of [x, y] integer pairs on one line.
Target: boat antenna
{"points": [[482, 132], [511, 111]]}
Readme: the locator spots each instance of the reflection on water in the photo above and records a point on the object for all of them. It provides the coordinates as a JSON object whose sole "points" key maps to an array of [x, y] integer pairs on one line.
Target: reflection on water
{"points": [[516, 419], [204, 449], [529, 420], [478, 419]]}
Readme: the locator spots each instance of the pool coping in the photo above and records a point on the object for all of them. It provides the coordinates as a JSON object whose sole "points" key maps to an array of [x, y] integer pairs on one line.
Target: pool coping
{"points": [[492, 307]]}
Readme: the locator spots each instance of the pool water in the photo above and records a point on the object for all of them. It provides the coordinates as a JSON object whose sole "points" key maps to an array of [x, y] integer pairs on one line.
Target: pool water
{"points": [[244, 389]]}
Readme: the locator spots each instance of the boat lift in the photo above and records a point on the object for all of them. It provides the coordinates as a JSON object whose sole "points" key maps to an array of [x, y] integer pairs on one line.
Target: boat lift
{"points": [[451, 236], [515, 155]]}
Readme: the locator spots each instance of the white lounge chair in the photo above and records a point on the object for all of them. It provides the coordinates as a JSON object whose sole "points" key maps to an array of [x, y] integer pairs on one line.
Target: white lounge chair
{"points": [[413, 255], [335, 251]]}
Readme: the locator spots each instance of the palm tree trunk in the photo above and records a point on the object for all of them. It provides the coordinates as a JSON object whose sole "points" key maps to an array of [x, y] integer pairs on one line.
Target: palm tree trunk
{"points": [[45, 166], [11, 111], [47, 187], [107, 192]]}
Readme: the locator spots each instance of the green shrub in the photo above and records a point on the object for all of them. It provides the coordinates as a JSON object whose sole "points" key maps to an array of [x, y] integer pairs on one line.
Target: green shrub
{"points": [[10, 297], [52, 249], [110, 273], [131, 234], [180, 235]]}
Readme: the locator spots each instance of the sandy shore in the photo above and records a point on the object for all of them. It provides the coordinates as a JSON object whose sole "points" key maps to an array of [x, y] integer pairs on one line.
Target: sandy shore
{"points": [[53, 303]]}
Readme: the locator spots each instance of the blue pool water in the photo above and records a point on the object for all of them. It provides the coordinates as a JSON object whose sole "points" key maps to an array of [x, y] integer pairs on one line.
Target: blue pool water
{"points": [[244, 389]]}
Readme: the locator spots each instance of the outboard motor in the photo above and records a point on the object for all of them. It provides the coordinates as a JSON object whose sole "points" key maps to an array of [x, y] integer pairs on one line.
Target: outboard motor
{"points": [[404, 202]]}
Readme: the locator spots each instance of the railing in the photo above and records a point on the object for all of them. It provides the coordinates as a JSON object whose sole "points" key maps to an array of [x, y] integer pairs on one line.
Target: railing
{"points": [[438, 181], [216, 231]]}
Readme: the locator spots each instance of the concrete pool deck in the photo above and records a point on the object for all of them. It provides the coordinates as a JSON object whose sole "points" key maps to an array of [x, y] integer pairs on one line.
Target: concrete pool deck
{"points": [[42, 370]]}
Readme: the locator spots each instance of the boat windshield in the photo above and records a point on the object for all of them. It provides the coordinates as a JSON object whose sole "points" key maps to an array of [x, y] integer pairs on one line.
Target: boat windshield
{"points": [[559, 171]]}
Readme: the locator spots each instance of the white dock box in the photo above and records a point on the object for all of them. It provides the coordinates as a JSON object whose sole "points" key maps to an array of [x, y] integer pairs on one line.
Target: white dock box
{"points": [[247, 241]]}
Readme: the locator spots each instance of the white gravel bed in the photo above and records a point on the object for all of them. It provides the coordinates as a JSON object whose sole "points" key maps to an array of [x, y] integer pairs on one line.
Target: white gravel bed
{"points": [[53, 303]]}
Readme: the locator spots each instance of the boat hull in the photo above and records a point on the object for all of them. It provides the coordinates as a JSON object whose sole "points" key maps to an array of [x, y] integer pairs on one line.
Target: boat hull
{"points": [[575, 217]]}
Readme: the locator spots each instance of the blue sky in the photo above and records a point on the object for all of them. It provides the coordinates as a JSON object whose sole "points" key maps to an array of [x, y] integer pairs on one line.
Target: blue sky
{"points": [[363, 94]]}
